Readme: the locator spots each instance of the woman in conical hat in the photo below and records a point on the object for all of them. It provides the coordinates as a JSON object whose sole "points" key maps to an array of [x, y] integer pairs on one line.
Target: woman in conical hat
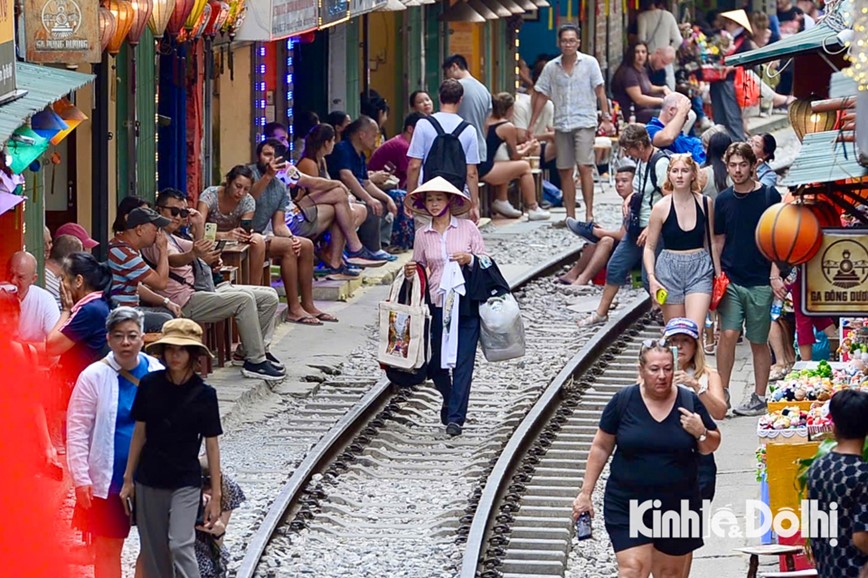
{"points": [[443, 246]]}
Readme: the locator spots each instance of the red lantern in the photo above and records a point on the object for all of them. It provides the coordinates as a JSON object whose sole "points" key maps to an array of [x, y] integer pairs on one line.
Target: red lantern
{"points": [[788, 234], [219, 12], [179, 16], [141, 13]]}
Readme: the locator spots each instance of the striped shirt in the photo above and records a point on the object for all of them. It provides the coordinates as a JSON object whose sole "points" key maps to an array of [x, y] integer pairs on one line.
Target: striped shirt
{"points": [[128, 270], [52, 285], [433, 249]]}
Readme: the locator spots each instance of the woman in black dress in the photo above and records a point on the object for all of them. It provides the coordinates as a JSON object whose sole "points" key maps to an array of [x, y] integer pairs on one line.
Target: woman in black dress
{"points": [[659, 429]]}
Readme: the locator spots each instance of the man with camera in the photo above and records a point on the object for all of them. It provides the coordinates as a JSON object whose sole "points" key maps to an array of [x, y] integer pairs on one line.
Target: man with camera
{"points": [[190, 262]]}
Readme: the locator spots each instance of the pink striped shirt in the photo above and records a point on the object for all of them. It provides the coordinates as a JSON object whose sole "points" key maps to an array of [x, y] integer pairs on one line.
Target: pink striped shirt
{"points": [[433, 250]]}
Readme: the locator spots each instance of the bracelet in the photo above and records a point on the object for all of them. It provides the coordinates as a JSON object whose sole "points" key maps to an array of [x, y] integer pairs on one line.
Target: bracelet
{"points": [[774, 278]]}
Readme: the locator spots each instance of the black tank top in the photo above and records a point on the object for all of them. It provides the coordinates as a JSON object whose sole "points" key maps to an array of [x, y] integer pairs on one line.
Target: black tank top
{"points": [[492, 143], [675, 239]]}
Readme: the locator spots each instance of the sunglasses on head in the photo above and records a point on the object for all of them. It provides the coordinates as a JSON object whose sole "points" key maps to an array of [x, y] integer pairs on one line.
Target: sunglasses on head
{"points": [[176, 211]]}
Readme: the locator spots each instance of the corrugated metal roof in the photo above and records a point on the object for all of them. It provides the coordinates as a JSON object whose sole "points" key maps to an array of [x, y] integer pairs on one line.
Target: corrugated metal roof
{"points": [[44, 85], [842, 85], [808, 41], [823, 160]]}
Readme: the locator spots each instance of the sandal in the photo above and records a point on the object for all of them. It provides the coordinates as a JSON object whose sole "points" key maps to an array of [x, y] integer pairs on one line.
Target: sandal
{"points": [[326, 317], [592, 319], [709, 348], [307, 320]]}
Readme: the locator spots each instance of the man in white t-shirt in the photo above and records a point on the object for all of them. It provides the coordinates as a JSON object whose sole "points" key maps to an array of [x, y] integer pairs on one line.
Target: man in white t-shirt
{"points": [[451, 93], [39, 312]]}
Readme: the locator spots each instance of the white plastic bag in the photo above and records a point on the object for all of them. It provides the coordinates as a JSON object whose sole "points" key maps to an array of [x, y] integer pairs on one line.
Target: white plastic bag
{"points": [[502, 335]]}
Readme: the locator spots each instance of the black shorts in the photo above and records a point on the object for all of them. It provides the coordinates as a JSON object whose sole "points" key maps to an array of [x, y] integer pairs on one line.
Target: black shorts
{"points": [[104, 519], [616, 512]]}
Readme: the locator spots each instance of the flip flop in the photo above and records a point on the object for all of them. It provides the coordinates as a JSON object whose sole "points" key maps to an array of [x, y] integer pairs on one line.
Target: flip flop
{"points": [[327, 318], [305, 320]]}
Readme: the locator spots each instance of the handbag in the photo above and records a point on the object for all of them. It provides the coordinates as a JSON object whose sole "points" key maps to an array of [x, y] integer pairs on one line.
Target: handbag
{"points": [[713, 73], [721, 282], [404, 342]]}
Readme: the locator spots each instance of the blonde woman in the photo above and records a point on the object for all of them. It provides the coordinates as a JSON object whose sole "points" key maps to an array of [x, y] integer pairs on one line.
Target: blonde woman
{"points": [[683, 220]]}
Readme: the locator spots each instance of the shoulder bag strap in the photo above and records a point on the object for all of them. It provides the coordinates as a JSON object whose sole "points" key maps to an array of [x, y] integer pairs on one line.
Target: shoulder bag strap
{"points": [[707, 223], [123, 373], [460, 128], [172, 275]]}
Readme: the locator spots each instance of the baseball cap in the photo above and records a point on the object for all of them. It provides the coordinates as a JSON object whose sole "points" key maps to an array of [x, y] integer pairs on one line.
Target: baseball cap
{"points": [[144, 215], [78, 232], [681, 326]]}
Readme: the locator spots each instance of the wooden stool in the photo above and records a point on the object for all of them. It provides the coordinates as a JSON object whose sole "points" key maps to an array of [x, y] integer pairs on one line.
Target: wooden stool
{"points": [[771, 550], [265, 280], [484, 201]]}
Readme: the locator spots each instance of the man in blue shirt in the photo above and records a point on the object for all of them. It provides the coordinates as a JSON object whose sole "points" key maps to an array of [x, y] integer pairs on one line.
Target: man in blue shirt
{"points": [[666, 131]]}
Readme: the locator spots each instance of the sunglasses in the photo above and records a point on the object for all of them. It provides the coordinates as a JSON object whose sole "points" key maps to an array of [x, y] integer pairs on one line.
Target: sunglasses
{"points": [[8, 288], [660, 343], [176, 211]]}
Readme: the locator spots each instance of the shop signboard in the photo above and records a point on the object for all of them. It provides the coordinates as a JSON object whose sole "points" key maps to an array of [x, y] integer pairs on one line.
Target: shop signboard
{"points": [[835, 281], [333, 12], [62, 31], [359, 7], [277, 19], [7, 49]]}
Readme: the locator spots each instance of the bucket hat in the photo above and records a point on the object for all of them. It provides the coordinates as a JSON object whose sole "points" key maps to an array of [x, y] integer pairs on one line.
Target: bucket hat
{"points": [[459, 201], [740, 18], [181, 332], [681, 326]]}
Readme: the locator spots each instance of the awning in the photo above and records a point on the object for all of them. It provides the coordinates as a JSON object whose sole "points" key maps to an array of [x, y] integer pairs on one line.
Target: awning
{"points": [[823, 160], [359, 7], [271, 20], [821, 35], [43, 86]]}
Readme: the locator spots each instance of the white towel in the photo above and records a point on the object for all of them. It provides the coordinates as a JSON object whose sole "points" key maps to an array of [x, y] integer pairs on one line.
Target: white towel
{"points": [[451, 287]]}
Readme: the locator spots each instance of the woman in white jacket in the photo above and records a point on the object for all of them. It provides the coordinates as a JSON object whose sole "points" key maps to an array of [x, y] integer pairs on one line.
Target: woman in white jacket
{"points": [[99, 430]]}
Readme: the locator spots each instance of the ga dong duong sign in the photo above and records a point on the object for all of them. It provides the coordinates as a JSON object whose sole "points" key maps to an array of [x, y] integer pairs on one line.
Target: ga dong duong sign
{"points": [[835, 281], [62, 31]]}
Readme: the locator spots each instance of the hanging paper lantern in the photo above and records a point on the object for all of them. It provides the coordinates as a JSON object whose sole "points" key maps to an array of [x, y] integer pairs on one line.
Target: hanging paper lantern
{"points": [[107, 26], [235, 17], [141, 13], [199, 28], [195, 14], [47, 123], [123, 12], [219, 13], [160, 15], [179, 16], [826, 214], [71, 115], [805, 121], [788, 234]]}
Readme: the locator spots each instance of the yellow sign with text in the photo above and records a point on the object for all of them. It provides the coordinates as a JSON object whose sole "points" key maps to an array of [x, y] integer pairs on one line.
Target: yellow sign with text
{"points": [[835, 281]]}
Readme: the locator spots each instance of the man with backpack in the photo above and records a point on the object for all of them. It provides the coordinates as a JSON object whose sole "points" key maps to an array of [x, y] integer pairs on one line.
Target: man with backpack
{"points": [[652, 165], [445, 145]]}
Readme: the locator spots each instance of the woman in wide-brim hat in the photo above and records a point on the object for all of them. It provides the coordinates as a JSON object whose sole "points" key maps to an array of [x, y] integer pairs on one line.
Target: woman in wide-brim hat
{"points": [[174, 411], [446, 241]]}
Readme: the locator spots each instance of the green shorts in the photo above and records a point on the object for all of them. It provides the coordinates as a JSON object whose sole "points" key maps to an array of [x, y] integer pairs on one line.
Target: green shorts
{"points": [[750, 306]]}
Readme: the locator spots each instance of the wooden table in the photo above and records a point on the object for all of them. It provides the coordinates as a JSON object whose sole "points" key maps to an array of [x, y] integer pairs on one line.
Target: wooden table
{"points": [[770, 550], [236, 255]]}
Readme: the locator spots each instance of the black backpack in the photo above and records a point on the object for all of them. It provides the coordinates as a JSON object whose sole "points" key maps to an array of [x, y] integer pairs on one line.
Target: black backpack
{"points": [[446, 157]]}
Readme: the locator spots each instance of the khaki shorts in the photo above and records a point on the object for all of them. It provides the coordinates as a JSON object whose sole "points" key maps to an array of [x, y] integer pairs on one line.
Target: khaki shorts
{"points": [[750, 306], [575, 147]]}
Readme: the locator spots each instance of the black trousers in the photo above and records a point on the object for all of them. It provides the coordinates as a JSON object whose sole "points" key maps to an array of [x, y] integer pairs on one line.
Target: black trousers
{"points": [[455, 389]]}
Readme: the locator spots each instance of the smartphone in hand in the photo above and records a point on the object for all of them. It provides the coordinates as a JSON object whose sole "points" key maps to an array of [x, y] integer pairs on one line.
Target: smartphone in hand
{"points": [[221, 244], [247, 225], [211, 231], [390, 167]]}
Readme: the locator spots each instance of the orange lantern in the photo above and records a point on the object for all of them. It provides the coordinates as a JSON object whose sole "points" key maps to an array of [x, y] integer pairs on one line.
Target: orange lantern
{"points": [[107, 26], [179, 16], [788, 234], [124, 13], [160, 14], [141, 13]]}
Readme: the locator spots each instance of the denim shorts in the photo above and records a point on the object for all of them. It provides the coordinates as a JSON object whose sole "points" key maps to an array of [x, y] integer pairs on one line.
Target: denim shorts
{"points": [[683, 274], [626, 257]]}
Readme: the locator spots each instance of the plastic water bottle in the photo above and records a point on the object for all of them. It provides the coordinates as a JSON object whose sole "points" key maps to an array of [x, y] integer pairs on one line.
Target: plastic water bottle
{"points": [[777, 308]]}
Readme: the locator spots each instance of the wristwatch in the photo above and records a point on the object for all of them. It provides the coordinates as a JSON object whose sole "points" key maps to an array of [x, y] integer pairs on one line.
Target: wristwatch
{"points": [[703, 436], [166, 301]]}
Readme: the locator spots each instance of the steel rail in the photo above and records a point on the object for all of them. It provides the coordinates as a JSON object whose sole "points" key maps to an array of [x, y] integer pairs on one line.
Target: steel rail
{"points": [[342, 433], [526, 432]]}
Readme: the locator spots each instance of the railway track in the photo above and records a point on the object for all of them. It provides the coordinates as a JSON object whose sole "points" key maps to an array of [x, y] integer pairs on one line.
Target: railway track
{"points": [[521, 525], [393, 437]]}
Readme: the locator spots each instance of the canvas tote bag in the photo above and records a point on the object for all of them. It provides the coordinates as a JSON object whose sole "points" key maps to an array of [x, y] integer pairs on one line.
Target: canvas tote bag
{"points": [[403, 342]]}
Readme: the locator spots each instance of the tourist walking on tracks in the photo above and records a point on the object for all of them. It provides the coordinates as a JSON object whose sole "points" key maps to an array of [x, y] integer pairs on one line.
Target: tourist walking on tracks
{"points": [[694, 373], [174, 410], [658, 429], [574, 82], [682, 220], [445, 246], [754, 280], [99, 429]]}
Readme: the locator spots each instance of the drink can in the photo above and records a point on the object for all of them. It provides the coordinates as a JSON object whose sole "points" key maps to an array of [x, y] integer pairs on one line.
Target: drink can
{"points": [[662, 294], [583, 526]]}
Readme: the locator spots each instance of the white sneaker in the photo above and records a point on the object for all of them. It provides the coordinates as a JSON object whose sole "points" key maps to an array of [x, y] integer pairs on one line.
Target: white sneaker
{"points": [[506, 209], [538, 214]]}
